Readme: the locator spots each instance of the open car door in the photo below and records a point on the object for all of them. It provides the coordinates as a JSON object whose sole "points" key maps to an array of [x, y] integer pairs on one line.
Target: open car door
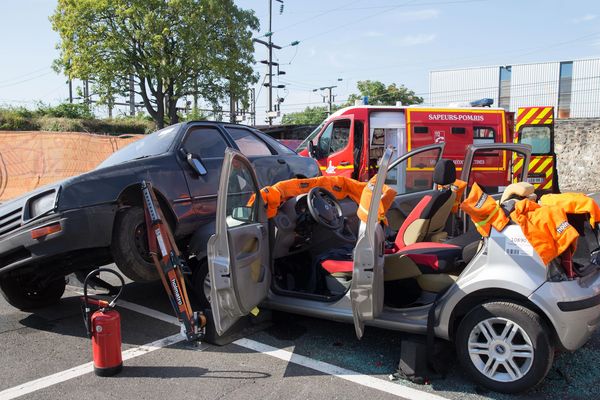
{"points": [[366, 290], [476, 151], [238, 252]]}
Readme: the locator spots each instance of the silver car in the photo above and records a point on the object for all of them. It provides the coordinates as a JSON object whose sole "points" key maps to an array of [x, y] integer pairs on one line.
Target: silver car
{"points": [[504, 310]]}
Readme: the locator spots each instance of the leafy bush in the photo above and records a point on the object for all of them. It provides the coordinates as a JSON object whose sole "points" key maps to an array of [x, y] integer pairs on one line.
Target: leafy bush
{"points": [[16, 118], [54, 119], [65, 110], [194, 115], [116, 126]]}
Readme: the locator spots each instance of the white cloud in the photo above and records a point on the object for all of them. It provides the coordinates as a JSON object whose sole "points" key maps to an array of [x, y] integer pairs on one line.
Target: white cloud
{"points": [[413, 40], [420, 15], [584, 18]]}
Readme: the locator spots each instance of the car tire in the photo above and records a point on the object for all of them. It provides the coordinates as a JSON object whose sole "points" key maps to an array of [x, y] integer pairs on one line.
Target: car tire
{"points": [[20, 292], [201, 284], [488, 338], [129, 246]]}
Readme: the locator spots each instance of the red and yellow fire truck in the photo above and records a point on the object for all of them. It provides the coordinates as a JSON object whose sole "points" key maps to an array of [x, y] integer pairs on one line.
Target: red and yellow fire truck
{"points": [[339, 143], [535, 126]]}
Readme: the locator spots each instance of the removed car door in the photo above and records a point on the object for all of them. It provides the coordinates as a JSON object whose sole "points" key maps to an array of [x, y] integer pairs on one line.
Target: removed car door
{"points": [[238, 253]]}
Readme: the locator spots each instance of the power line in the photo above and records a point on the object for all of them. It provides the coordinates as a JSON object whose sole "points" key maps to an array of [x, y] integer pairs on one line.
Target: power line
{"points": [[516, 86], [355, 21], [419, 65], [26, 80], [470, 90], [317, 16], [24, 75]]}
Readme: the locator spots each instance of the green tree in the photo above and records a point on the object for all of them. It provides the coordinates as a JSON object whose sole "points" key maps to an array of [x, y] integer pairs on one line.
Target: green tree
{"points": [[310, 116], [172, 48], [379, 94]]}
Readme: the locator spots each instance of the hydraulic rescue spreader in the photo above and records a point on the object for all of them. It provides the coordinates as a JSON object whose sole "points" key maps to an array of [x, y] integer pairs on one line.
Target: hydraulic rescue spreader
{"points": [[170, 266]]}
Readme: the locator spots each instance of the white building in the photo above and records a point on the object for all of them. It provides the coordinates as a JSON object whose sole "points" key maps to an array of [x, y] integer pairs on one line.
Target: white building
{"points": [[572, 87]]}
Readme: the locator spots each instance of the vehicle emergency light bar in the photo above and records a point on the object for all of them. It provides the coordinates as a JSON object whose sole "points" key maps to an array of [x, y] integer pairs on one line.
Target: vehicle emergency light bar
{"points": [[482, 103], [166, 257]]}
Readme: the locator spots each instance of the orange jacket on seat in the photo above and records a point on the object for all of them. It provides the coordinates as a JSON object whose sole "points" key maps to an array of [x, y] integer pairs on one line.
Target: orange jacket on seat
{"points": [[545, 227], [484, 211], [458, 187], [574, 203], [387, 198]]}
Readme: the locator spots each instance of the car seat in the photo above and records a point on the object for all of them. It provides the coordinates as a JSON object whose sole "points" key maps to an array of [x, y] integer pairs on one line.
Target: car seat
{"points": [[426, 222]]}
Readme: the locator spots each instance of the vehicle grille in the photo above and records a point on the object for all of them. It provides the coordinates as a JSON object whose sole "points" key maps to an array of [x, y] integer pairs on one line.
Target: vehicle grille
{"points": [[10, 221]]}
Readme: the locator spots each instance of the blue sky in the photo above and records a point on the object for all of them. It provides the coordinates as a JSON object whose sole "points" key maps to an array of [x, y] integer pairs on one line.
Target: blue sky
{"points": [[389, 40]]}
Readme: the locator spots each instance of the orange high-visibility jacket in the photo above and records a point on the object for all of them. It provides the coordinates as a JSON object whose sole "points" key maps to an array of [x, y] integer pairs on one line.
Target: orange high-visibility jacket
{"points": [[574, 203], [339, 186], [458, 187], [387, 198], [484, 211], [545, 227]]}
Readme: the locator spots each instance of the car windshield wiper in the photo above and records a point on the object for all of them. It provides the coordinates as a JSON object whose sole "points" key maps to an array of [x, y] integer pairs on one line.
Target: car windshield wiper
{"points": [[140, 157]]}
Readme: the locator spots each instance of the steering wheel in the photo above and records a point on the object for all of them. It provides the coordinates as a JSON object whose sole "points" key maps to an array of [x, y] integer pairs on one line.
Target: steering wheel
{"points": [[325, 209]]}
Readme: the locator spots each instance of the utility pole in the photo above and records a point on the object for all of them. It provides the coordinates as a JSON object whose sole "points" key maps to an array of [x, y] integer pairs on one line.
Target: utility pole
{"points": [[231, 104], [270, 46], [329, 98], [86, 93], [253, 106], [271, 113], [131, 97]]}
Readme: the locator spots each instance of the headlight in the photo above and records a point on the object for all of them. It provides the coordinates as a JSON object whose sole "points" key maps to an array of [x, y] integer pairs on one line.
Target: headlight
{"points": [[42, 204]]}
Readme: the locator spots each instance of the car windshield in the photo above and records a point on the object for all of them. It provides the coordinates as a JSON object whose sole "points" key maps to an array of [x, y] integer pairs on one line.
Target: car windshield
{"points": [[311, 136], [156, 143]]}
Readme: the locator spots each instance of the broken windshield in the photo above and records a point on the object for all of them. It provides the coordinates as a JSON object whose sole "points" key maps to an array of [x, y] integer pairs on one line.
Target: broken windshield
{"points": [[154, 144]]}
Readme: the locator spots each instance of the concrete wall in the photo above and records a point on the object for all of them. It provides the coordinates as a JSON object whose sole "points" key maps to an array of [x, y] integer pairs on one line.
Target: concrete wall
{"points": [[577, 145]]}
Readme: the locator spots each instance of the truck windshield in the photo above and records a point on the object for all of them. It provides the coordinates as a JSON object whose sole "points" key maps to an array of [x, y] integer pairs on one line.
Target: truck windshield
{"points": [[156, 143], [538, 137], [312, 135]]}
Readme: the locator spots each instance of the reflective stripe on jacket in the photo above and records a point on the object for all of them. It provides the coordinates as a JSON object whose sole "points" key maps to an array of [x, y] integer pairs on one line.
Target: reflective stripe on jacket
{"points": [[387, 198], [484, 211]]}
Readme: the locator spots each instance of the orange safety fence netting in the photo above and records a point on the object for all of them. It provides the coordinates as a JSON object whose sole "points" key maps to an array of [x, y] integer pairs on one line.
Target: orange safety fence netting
{"points": [[29, 160]]}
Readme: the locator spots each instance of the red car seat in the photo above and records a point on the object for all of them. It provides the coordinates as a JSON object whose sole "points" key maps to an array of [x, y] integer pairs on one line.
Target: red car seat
{"points": [[427, 220]]}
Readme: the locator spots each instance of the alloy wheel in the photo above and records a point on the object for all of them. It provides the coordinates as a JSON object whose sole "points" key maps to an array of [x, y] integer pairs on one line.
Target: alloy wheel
{"points": [[500, 349]]}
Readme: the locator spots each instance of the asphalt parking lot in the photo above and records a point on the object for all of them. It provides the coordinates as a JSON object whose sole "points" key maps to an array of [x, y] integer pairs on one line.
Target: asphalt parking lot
{"points": [[46, 355]]}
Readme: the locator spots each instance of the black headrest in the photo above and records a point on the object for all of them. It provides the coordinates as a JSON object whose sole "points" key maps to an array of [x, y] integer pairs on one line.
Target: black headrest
{"points": [[444, 173]]}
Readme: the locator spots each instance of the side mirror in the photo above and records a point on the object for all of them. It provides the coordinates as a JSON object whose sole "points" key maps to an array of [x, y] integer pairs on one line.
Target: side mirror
{"points": [[312, 150], [196, 164], [243, 214]]}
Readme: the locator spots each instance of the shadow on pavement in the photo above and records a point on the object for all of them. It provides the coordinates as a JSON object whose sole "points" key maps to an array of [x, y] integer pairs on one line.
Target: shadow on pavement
{"points": [[187, 372]]}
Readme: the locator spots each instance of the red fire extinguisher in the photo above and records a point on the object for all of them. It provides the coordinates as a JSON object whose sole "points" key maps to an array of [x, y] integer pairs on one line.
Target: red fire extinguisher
{"points": [[103, 326]]}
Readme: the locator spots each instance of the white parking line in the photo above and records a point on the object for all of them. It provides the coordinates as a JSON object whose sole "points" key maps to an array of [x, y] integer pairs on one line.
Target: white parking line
{"points": [[149, 312], [339, 372], [50, 380], [326, 368]]}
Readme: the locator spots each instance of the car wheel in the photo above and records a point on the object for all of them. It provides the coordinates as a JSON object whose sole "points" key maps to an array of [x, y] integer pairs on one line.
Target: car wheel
{"points": [[129, 246], [22, 292], [504, 347], [201, 283]]}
